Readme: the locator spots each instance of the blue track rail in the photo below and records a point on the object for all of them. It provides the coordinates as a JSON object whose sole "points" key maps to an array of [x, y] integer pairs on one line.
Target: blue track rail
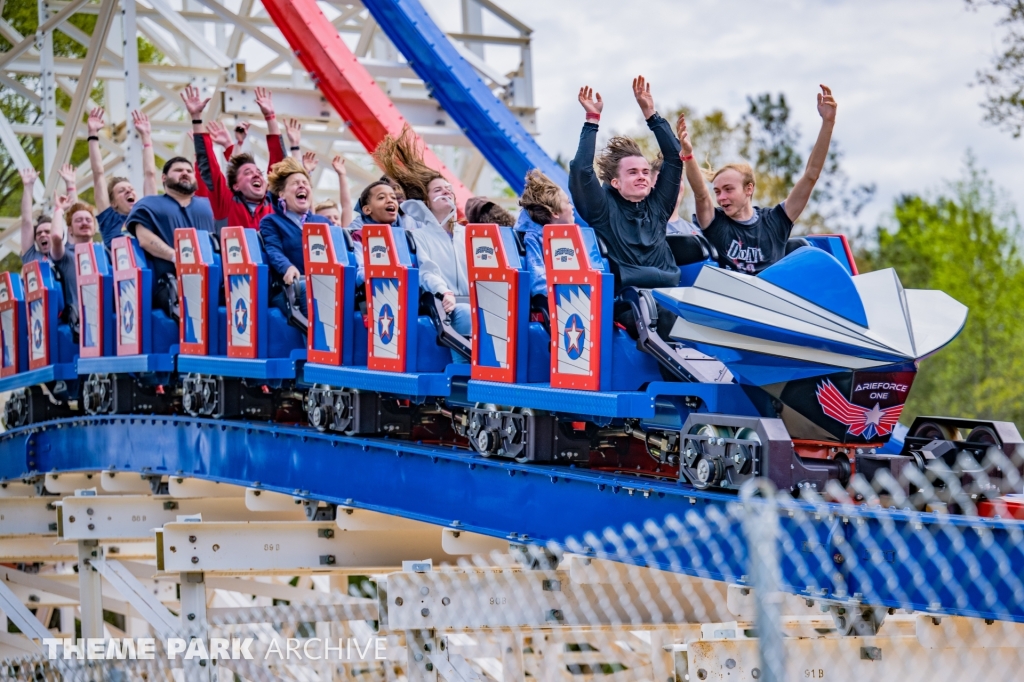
{"points": [[488, 123], [954, 565]]}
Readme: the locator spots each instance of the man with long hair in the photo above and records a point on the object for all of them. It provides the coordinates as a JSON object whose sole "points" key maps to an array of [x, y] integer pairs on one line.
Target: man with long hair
{"points": [[440, 239], [627, 211]]}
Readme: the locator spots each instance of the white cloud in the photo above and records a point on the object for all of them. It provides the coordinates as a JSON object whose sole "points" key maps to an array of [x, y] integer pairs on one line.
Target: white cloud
{"points": [[901, 72]]}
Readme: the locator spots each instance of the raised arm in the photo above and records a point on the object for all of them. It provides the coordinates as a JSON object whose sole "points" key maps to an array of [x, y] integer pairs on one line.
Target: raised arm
{"points": [[209, 177], [801, 192], [99, 180], [265, 101], [584, 186], [665, 192], [694, 177], [67, 174], [28, 182], [59, 227], [276, 149], [145, 131], [343, 191], [293, 130]]}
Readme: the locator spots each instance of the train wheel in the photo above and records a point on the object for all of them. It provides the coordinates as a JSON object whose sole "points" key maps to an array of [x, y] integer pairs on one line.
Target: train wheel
{"points": [[16, 412], [935, 431], [983, 435], [703, 470], [97, 394]]}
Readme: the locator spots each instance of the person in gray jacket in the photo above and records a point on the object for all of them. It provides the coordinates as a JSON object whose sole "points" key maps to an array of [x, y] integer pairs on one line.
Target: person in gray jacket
{"points": [[440, 239]]}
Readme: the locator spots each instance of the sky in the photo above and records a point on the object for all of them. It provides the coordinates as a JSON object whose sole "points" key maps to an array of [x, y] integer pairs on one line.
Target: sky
{"points": [[901, 73]]}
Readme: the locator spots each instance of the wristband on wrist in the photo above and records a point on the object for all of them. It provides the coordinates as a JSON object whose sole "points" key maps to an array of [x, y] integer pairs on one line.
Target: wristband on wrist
{"points": [[92, 137], [684, 159], [147, 144], [294, 149], [593, 118], [270, 117], [197, 121], [240, 129]]}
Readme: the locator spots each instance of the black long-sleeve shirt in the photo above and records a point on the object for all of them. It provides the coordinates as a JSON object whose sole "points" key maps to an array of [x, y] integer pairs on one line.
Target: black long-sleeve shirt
{"points": [[633, 232]]}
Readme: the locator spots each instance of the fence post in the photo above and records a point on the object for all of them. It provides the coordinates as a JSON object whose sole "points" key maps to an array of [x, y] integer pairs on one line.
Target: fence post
{"points": [[760, 517]]}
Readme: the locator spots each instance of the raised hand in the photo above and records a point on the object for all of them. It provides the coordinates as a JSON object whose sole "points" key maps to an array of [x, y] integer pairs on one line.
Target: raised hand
{"points": [[28, 176], [642, 92], [826, 105], [141, 123], [218, 133], [265, 101], [309, 162], [684, 136], [95, 122], [194, 102], [338, 163], [293, 129], [67, 174], [240, 135], [591, 100], [61, 203]]}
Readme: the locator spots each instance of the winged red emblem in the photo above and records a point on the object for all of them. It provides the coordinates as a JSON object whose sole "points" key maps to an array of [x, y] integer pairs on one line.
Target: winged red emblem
{"points": [[860, 420]]}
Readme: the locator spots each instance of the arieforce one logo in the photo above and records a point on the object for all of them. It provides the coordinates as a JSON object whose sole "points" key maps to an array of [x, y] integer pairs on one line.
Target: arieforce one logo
{"points": [[563, 255], [484, 252]]}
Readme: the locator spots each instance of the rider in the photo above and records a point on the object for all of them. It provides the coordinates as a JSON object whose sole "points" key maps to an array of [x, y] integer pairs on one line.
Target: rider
{"points": [[282, 229], [544, 203], [627, 212], [750, 238], [440, 239], [242, 198]]}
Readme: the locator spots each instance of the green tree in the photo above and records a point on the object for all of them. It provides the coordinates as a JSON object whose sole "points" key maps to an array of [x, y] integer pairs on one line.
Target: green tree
{"points": [[1004, 79], [964, 241], [23, 17]]}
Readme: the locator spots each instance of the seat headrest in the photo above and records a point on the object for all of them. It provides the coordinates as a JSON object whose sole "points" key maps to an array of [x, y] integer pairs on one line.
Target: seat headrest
{"points": [[795, 243], [410, 241], [689, 248], [602, 247], [520, 243], [349, 242]]}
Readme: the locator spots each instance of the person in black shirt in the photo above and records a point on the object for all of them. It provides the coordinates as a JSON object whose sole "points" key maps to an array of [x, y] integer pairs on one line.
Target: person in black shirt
{"points": [[627, 211], [750, 238]]}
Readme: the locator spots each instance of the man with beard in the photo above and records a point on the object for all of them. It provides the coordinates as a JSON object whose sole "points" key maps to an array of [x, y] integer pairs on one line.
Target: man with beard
{"points": [[154, 219], [241, 198]]}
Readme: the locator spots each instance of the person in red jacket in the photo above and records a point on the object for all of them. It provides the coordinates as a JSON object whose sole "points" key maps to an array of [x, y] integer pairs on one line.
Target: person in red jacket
{"points": [[241, 198]]}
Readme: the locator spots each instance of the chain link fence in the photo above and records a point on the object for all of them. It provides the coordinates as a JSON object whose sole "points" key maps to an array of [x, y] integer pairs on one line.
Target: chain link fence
{"points": [[774, 589]]}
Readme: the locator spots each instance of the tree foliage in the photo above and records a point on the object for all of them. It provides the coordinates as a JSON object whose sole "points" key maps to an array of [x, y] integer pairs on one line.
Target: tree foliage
{"points": [[1004, 79], [23, 17], [964, 241]]}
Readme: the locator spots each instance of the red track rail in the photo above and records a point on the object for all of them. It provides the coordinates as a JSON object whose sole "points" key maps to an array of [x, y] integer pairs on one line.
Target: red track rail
{"points": [[344, 82]]}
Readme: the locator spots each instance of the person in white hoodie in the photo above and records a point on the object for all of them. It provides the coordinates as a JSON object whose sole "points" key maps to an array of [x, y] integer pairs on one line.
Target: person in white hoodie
{"points": [[440, 239]]}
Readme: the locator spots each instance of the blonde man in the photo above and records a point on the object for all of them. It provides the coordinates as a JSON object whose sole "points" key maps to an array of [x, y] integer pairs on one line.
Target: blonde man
{"points": [[750, 238]]}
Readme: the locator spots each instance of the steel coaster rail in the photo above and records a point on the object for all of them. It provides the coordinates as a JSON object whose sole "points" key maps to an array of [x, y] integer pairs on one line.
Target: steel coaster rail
{"points": [[487, 122], [829, 551]]}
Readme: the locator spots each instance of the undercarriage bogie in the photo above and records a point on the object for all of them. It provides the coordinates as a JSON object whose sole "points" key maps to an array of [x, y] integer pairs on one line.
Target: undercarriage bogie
{"points": [[204, 395], [725, 451], [36, 404], [525, 435], [355, 412], [124, 394], [981, 458]]}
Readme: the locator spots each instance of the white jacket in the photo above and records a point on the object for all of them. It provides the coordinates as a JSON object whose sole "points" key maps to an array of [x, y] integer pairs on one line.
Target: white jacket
{"points": [[442, 258]]}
